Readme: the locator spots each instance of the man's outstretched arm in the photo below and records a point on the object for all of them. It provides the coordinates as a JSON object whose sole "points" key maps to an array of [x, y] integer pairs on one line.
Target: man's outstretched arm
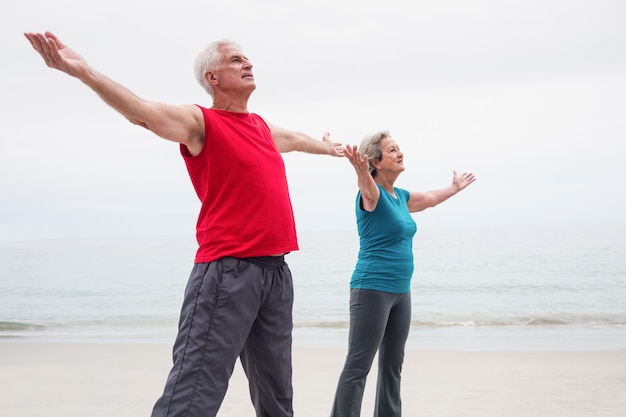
{"points": [[288, 141], [183, 124]]}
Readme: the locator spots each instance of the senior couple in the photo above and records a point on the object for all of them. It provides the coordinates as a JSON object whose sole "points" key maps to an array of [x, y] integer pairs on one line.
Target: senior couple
{"points": [[239, 296]]}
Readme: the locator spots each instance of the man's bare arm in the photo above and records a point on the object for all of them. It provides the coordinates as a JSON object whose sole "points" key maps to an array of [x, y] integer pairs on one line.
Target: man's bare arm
{"points": [[183, 124], [288, 141]]}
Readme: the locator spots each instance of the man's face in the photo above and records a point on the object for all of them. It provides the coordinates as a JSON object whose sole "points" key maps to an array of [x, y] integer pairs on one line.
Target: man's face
{"points": [[234, 73]]}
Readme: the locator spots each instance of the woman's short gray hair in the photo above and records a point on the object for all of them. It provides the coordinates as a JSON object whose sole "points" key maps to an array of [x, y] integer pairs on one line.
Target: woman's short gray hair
{"points": [[370, 147], [208, 59]]}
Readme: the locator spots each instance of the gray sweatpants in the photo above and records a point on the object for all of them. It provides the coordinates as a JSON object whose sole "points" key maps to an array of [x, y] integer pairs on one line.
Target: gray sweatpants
{"points": [[379, 321], [232, 308]]}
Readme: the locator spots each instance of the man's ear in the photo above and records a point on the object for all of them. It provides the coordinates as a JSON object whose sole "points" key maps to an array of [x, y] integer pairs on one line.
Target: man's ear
{"points": [[210, 77]]}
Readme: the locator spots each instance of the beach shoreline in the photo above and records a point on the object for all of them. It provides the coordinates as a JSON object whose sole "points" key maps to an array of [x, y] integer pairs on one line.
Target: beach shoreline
{"points": [[471, 338], [125, 379]]}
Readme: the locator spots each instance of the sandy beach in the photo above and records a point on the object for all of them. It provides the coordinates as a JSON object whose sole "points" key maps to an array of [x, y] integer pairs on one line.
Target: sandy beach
{"points": [[124, 379]]}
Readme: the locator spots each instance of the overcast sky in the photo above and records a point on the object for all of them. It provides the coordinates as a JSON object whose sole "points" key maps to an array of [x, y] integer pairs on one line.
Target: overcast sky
{"points": [[530, 95]]}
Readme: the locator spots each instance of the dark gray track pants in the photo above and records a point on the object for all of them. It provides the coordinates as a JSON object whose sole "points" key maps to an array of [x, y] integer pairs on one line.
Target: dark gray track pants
{"points": [[232, 308], [379, 321]]}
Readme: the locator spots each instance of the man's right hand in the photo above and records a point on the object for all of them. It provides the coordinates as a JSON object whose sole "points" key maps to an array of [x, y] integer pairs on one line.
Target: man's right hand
{"points": [[56, 54]]}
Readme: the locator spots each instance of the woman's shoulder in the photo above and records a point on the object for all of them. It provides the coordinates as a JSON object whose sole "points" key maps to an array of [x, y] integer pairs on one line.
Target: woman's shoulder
{"points": [[402, 193]]}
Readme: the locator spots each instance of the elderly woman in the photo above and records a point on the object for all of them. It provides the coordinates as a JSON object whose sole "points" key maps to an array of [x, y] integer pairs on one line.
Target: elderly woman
{"points": [[380, 297]]}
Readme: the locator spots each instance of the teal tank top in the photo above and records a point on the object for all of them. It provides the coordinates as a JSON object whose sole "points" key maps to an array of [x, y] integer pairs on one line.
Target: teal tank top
{"points": [[385, 260]]}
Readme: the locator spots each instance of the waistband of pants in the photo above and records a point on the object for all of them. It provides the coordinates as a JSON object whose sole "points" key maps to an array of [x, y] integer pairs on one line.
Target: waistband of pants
{"points": [[266, 261]]}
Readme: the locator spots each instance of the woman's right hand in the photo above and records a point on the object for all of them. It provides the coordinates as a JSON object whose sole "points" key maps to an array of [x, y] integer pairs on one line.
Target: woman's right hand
{"points": [[357, 160]]}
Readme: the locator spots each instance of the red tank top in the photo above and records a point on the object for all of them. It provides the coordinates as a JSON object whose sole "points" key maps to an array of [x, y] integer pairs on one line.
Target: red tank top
{"points": [[239, 176]]}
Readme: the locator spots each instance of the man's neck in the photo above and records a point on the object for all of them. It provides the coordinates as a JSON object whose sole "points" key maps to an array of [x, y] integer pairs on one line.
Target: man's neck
{"points": [[231, 104]]}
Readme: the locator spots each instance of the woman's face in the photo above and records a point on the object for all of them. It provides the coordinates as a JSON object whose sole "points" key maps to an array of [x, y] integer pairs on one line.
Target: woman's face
{"points": [[392, 158]]}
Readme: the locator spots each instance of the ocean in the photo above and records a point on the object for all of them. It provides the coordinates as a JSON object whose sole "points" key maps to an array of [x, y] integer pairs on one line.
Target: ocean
{"points": [[498, 287]]}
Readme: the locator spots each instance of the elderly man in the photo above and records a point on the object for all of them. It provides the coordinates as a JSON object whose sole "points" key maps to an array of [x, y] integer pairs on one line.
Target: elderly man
{"points": [[238, 300]]}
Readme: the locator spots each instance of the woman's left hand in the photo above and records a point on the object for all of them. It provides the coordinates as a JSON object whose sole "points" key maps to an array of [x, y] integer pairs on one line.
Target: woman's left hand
{"points": [[463, 180]]}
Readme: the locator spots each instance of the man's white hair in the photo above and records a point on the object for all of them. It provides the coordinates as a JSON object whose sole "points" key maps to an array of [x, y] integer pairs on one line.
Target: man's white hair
{"points": [[209, 59]]}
